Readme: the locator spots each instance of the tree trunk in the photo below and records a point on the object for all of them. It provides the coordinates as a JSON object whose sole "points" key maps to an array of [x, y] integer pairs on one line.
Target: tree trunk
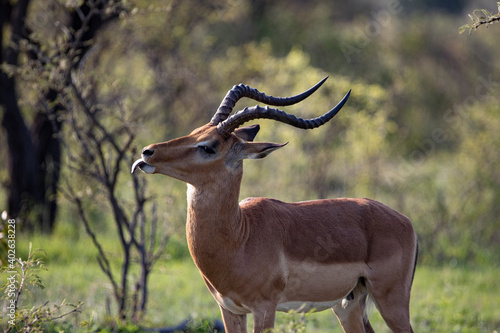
{"points": [[21, 161], [45, 133], [35, 157]]}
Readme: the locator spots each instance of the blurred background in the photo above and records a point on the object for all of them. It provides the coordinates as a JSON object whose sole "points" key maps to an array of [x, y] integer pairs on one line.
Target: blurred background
{"points": [[86, 84]]}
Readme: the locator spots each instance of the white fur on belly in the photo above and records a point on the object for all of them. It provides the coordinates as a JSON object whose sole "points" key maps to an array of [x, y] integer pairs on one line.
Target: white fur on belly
{"points": [[303, 307]]}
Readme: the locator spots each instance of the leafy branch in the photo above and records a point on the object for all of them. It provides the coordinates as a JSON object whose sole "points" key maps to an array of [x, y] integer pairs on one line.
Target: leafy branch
{"points": [[98, 139], [32, 319], [481, 17], [105, 147]]}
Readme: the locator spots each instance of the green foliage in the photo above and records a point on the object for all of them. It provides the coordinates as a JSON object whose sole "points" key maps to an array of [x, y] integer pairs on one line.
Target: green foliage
{"points": [[408, 86], [455, 300], [31, 318], [481, 17], [444, 299], [201, 326], [419, 133], [4, 246], [119, 327], [296, 323]]}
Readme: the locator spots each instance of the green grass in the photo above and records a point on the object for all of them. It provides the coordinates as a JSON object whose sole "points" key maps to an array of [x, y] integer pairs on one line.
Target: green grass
{"points": [[444, 299]]}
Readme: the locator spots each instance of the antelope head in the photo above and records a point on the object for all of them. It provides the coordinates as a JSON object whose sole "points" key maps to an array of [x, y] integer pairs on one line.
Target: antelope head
{"points": [[221, 145]]}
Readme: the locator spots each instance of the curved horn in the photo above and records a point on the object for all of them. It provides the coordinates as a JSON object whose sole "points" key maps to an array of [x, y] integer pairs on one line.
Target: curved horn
{"points": [[241, 90], [226, 127]]}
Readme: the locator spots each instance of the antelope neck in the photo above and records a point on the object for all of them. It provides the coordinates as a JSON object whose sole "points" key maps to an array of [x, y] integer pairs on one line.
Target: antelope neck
{"points": [[214, 213]]}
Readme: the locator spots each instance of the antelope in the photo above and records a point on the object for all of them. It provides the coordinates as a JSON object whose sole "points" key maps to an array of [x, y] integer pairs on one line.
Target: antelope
{"points": [[262, 255]]}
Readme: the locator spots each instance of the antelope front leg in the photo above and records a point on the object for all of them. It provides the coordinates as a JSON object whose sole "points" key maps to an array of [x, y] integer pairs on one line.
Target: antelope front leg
{"points": [[233, 323], [263, 319]]}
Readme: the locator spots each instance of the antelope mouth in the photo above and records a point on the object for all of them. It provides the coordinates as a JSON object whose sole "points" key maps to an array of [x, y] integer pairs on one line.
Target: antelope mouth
{"points": [[145, 167]]}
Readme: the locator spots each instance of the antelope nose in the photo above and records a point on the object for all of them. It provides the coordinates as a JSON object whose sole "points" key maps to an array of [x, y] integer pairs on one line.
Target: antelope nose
{"points": [[147, 152]]}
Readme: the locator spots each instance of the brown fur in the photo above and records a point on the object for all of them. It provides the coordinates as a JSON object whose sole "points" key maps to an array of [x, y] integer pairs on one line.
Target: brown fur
{"points": [[263, 254]]}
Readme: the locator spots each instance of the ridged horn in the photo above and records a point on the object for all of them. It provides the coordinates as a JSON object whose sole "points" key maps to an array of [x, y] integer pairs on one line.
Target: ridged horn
{"points": [[241, 90], [226, 127]]}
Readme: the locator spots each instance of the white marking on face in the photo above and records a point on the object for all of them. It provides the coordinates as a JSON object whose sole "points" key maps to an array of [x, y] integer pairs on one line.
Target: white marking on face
{"points": [[203, 143]]}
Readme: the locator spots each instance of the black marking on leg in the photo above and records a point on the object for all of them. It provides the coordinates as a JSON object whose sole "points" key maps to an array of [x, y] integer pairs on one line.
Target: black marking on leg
{"points": [[350, 297]]}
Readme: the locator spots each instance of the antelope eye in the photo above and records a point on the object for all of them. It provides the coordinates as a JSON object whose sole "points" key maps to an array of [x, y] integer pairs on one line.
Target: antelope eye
{"points": [[207, 149]]}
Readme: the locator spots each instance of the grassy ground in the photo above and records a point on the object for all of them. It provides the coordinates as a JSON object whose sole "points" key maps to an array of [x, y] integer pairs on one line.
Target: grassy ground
{"points": [[444, 299]]}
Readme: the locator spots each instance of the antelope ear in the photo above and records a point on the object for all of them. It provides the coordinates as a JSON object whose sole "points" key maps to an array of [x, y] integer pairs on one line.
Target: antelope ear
{"points": [[247, 133], [255, 150]]}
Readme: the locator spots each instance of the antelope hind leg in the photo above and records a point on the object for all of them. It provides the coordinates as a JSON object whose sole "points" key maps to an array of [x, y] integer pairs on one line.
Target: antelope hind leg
{"points": [[351, 311]]}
